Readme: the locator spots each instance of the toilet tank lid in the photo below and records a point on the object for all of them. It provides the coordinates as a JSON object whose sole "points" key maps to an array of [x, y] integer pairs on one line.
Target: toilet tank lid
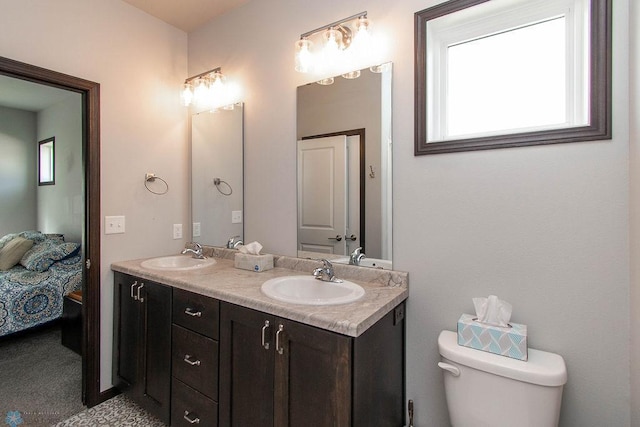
{"points": [[542, 368]]}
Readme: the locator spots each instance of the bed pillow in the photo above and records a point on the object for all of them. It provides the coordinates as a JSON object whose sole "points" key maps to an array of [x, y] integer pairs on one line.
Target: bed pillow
{"points": [[13, 251], [42, 255]]}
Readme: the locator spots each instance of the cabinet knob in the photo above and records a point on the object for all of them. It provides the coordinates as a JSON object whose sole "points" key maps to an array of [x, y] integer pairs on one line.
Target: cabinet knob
{"points": [[191, 419], [265, 344], [187, 358], [193, 313]]}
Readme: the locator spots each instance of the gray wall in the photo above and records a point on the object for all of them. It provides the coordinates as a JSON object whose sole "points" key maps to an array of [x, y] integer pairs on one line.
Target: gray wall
{"points": [[545, 228], [61, 206], [18, 164]]}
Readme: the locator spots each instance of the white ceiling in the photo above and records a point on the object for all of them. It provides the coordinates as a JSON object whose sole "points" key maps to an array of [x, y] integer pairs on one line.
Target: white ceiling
{"points": [[186, 14]]}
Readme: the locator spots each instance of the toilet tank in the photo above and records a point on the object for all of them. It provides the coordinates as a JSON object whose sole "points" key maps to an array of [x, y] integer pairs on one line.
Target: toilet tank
{"points": [[489, 390]]}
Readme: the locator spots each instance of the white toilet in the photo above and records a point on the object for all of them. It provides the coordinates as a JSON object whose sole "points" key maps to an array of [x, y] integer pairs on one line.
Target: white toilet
{"points": [[489, 390]]}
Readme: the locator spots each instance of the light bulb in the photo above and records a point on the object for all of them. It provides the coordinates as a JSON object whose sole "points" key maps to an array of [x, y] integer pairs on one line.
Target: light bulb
{"points": [[201, 90], [187, 94], [304, 57], [352, 75], [326, 82], [361, 48]]}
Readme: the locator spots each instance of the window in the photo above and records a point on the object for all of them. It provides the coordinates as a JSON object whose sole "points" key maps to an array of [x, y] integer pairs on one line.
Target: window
{"points": [[503, 73], [46, 163]]}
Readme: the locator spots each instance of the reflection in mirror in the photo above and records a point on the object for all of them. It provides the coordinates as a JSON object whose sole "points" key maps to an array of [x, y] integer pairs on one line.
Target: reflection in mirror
{"points": [[217, 175], [344, 154]]}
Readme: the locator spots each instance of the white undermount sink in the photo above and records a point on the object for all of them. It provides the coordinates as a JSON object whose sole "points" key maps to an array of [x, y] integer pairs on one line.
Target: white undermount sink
{"points": [[177, 263], [311, 291]]}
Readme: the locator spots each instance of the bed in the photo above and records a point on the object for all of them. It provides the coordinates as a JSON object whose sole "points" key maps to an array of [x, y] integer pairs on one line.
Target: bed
{"points": [[32, 290]]}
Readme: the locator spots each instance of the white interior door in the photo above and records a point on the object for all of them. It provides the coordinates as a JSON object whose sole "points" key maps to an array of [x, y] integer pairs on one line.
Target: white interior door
{"points": [[322, 195]]}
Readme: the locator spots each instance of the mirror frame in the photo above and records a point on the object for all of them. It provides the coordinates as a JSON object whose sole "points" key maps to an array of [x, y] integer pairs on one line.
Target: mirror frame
{"points": [[599, 127]]}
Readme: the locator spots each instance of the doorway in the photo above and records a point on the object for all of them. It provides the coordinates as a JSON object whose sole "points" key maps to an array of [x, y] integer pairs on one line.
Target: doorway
{"points": [[90, 93]]}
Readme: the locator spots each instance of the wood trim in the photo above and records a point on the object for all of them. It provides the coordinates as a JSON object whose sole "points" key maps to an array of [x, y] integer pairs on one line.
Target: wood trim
{"points": [[363, 173], [600, 113], [90, 92]]}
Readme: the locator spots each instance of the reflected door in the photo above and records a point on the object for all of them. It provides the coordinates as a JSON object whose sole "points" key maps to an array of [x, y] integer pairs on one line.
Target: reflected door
{"points": [[322, 195]]}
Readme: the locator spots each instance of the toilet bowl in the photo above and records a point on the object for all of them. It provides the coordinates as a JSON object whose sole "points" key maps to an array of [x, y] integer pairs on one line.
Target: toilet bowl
{"points": [[489, 390]]}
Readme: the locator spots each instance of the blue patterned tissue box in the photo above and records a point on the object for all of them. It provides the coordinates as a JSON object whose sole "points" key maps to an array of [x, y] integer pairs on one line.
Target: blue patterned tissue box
{"points": [[508, 341]]}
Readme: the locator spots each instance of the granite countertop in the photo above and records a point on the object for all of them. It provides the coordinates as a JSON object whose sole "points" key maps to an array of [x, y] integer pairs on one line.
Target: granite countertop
{"points": [[384, 289]]}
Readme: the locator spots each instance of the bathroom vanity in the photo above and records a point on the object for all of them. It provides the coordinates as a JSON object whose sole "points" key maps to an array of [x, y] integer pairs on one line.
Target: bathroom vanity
{"points": [[207, 347]]}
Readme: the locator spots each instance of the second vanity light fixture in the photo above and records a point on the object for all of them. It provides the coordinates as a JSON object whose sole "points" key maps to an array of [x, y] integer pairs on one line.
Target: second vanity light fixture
{"points": [[205, 88], [344, 43]]}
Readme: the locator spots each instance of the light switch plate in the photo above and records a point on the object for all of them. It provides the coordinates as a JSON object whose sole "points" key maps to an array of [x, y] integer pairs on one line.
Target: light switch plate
{"points": [[177, 231], [114, 224], [196, 229], [236, 217]]}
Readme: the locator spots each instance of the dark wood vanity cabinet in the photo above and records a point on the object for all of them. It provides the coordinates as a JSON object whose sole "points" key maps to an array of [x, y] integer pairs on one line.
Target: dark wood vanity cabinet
{"points": [[142, 343], [190, 359], [277, 372]]}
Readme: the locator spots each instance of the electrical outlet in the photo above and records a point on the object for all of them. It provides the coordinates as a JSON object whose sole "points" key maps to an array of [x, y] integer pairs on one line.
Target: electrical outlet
{"points": [[196, 229], [236, 217], [177, 231], [113, 224]]}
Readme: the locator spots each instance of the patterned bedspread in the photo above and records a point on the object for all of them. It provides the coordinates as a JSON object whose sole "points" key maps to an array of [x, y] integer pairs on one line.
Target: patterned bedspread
{"points": [[29, 298]]}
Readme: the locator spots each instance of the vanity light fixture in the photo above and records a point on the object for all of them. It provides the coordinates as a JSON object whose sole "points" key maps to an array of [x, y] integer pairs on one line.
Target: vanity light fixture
{"points": [[339, 44], [203, 88]]}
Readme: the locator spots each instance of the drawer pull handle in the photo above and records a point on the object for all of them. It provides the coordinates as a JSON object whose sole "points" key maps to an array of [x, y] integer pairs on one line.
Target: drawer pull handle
{"points": [[279, 349], [133, 286], [265, 344], [191, 420], [187, 358], [138, 297], [190, 312]]}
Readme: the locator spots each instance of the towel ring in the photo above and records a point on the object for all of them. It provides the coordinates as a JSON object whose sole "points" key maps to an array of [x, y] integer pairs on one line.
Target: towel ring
{"points": [[217, 182], [149, 177]]}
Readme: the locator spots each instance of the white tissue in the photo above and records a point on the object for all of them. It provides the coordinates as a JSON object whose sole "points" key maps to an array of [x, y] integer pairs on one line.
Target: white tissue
{"points": [[252, 248], [492, 311]]}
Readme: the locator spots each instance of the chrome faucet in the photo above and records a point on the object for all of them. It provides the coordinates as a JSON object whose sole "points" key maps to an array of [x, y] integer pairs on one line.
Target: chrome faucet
{"points": [[356, 256], [325, 273], [234, 242], [195, 249]]}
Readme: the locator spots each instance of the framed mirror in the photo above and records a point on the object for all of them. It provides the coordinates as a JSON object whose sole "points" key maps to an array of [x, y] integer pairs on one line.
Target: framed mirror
{"points": [[507, 73], [46, 162], [217, 175], [344, 167]]}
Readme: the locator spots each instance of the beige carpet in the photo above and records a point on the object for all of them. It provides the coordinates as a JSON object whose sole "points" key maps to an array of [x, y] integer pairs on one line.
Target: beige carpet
{"points": [[119, 411], [40, 380]]}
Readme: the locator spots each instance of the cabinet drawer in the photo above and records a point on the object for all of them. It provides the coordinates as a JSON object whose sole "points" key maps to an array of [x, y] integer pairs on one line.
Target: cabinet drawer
{"points": [[188, 405], [195, 361], [196, 312]]}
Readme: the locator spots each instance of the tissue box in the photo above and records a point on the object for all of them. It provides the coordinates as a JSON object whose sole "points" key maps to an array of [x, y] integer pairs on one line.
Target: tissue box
{"points": [[510, 342], [253, 262]]}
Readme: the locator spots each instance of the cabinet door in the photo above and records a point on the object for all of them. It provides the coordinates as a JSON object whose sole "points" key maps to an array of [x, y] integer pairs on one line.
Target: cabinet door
{"points": [[312, 376], [246, 367], [156, 353], [126, 333]]}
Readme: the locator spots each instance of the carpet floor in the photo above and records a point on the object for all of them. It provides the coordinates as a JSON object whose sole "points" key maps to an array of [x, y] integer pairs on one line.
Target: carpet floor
{"points": [[40, 379]]}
